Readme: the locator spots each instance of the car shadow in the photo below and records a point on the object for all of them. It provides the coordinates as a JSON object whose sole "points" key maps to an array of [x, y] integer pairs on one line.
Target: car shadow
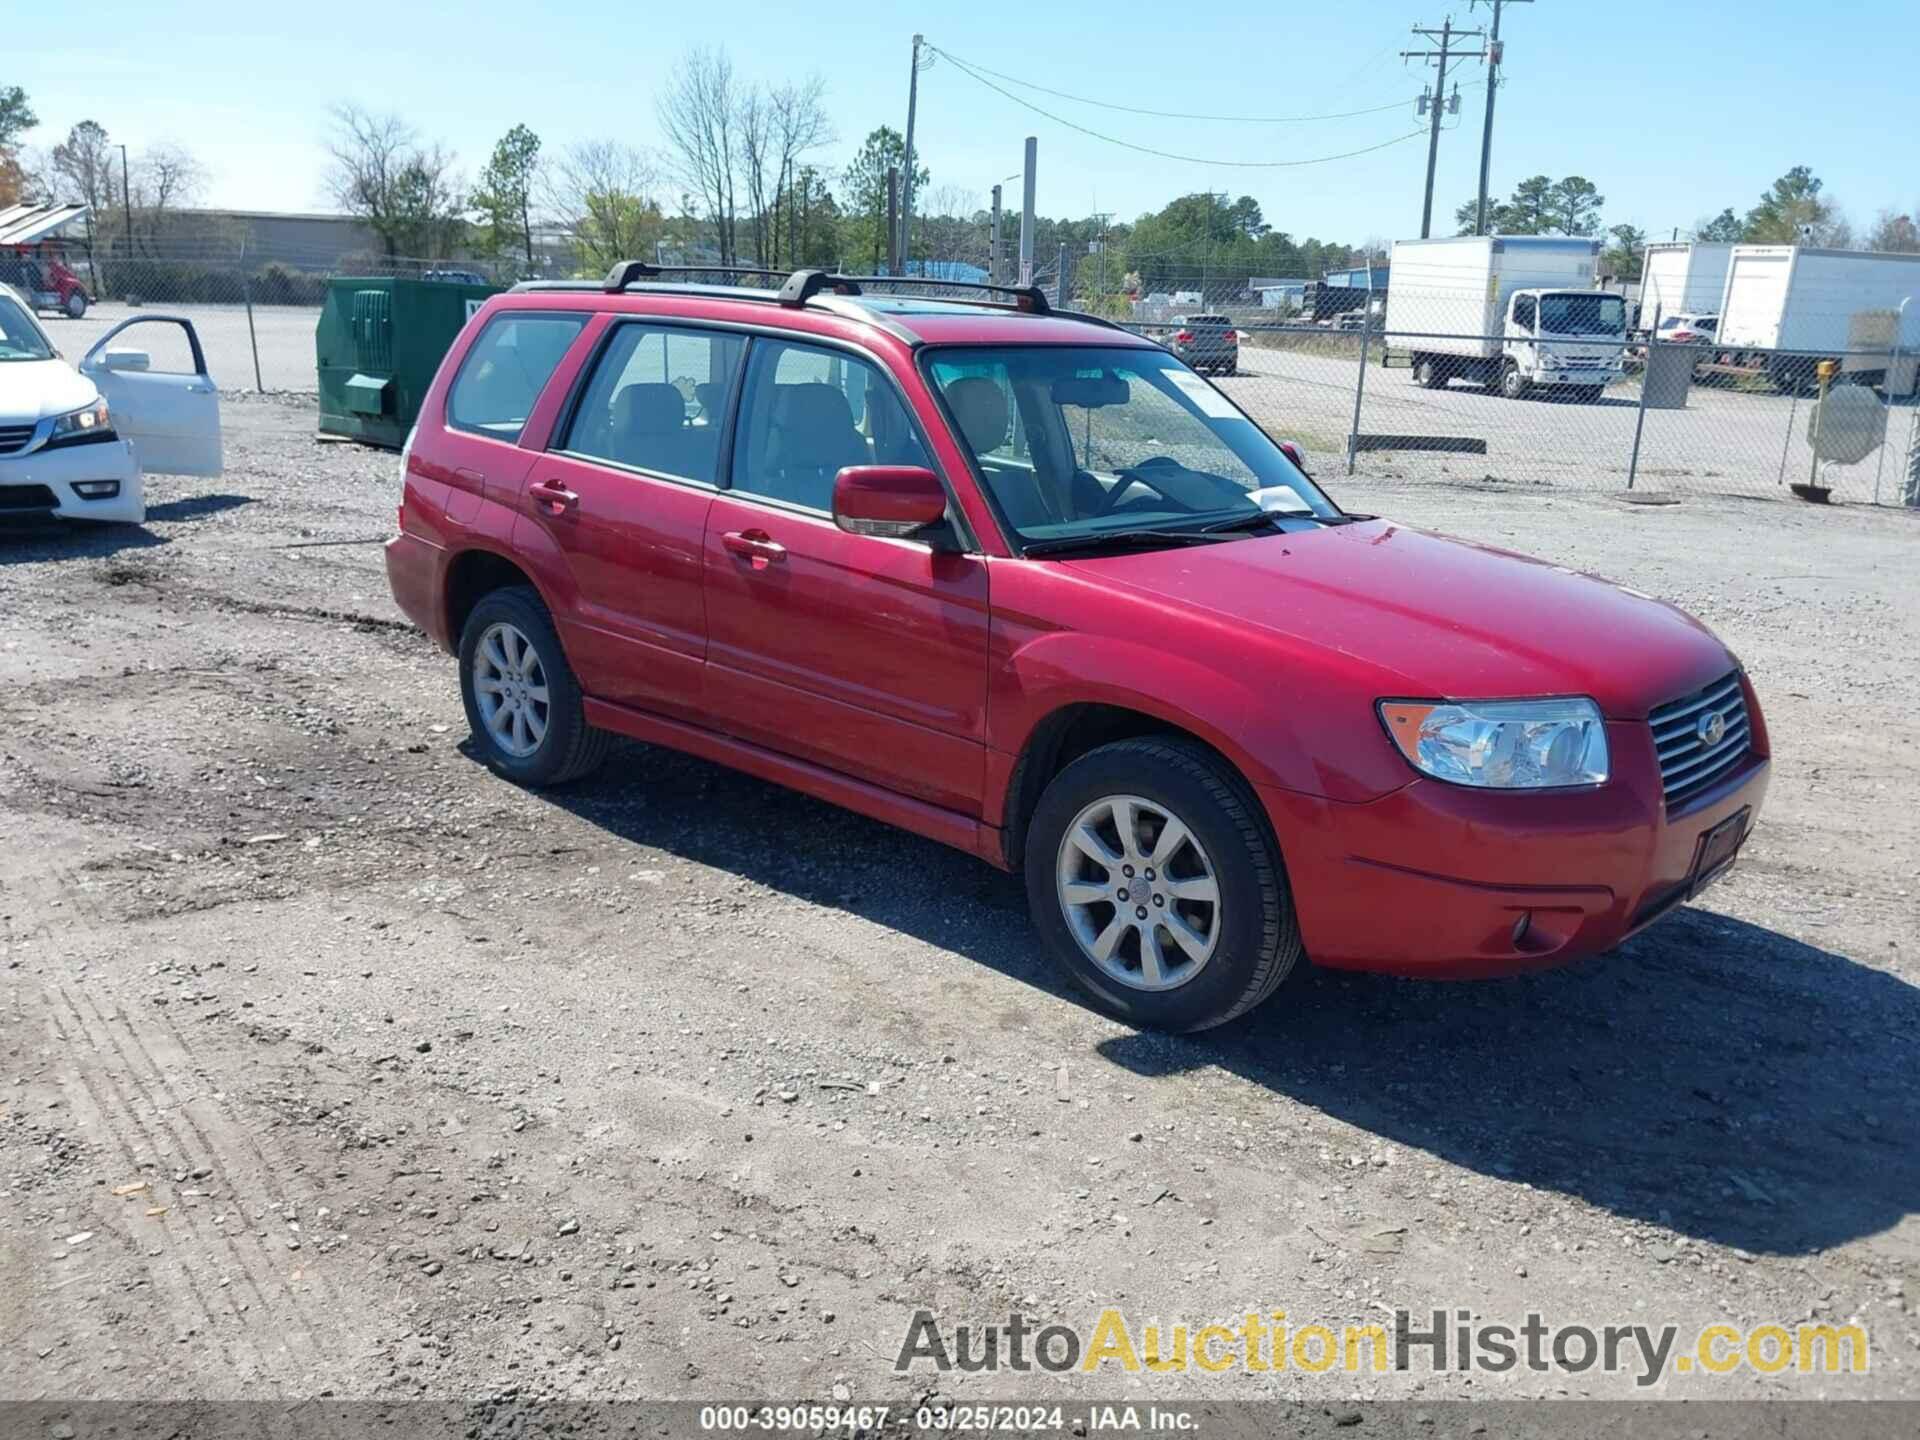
{"points": [[1711, 1076], [24, 541], [196, 507]]}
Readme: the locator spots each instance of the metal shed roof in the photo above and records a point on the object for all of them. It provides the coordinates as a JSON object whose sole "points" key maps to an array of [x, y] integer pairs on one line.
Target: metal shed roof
{"points": [[26, 224]]}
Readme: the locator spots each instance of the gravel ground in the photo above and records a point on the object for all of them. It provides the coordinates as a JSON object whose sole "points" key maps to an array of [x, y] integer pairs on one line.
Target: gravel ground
{"points": [[334, 1065]]}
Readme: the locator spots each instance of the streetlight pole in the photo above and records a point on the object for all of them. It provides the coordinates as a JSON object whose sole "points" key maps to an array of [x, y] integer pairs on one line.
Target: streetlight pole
{"points": [[126, 200]]}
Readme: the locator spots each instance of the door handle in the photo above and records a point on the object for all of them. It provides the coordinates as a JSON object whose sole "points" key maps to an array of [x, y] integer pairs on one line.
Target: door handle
{"points": [[754, 545], [555, 498]]}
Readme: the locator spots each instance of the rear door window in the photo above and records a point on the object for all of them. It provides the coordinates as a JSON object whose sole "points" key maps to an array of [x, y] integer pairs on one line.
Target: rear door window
{"points": [[657, 400], [509, 365]]}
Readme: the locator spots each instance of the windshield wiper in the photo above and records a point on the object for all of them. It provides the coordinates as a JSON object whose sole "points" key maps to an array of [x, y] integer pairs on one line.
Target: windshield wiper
{"points": [[1122, 540], [1256, 519]]}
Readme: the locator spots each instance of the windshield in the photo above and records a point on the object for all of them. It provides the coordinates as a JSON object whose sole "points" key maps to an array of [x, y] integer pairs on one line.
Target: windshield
{"points": [[1084, 441], [1583, 315], [20, 338]]}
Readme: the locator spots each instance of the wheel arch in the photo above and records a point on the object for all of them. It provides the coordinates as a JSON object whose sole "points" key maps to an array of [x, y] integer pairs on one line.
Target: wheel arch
{"points": [[1079, 727], [475, 573]]}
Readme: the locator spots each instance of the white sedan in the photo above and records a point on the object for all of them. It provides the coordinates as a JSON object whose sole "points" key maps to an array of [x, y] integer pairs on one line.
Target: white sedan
{"points": [[74, 443]]}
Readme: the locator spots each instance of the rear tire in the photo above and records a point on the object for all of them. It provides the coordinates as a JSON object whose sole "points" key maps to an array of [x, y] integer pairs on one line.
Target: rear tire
{"points": [[1174, 959], [523, 704], [1427, 373]]}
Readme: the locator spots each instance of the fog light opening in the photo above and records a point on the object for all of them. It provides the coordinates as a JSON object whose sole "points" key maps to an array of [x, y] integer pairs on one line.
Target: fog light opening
{"points": [[1522, 928], [96, 489]]}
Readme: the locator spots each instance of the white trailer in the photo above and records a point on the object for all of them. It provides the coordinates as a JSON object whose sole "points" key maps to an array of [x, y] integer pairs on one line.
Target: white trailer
{"points": [[1510, 312], [1819, 304], [1685, 278]]}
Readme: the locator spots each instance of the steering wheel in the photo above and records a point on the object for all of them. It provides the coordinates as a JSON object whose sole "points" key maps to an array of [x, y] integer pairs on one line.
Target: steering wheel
{"points": [[1132, 476]]}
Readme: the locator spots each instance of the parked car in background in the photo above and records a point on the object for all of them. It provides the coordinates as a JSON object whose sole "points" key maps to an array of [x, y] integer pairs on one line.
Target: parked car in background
{"points": [[1209, 343], [1688, 329], [74, 444], [456, 277], [1025, 584]]}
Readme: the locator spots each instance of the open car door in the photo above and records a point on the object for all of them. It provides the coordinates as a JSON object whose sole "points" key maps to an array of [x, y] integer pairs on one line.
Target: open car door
{"points": [[168, 407]]}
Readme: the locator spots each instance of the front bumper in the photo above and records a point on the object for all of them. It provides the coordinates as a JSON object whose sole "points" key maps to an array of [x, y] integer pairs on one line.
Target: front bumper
{"points": [[40, 484], [1435, 879]]}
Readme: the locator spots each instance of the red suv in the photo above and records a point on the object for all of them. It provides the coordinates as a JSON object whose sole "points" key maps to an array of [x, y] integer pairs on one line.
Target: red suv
{"points": [[1022, 582]]}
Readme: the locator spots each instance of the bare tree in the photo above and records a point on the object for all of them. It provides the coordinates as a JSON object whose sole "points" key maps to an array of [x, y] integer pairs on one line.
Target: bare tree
{"points": [[799, 125], [164, 179], [406, 191], [606, 193], [1895, 231], [699, 112], [753, 125]]}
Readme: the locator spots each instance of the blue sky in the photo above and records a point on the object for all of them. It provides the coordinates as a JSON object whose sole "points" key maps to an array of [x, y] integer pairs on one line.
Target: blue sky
{"points": [[1674, 110]]}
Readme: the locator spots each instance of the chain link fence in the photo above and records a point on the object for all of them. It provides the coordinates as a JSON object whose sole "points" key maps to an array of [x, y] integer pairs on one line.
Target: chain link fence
{"points": [[1335, 368], [255, 318], [1581, 397]]}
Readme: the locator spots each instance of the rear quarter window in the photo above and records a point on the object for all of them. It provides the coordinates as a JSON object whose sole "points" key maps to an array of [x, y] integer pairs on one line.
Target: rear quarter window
{"points": [[509, 365]]}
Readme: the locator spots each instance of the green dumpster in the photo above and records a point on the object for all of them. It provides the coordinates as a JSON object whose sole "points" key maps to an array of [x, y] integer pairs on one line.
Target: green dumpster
{"points": [[378, 344]]}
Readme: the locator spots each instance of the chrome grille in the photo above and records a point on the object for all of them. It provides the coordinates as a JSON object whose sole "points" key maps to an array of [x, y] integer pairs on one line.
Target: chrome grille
{"points": [[14, 438], [1688, 764]]}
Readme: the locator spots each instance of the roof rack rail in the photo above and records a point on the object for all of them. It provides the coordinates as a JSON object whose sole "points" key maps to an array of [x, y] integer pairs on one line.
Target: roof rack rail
{"points": [[627, 272], [1030, 298], [803, 285]]}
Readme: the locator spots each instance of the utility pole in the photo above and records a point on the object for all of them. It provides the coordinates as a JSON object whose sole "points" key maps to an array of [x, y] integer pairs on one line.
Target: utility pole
{"points": [[893, 215], [906, 194], [1437, 103], [1494, 56], [993, 242], [1026, 213]]}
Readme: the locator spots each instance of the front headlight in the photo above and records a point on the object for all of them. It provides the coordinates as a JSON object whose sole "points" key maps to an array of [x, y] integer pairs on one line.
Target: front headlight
{"points": [[87, 420], [1501, 744]]}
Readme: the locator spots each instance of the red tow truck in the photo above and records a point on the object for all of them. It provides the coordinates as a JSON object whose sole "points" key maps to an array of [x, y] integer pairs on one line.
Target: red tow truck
{"points": [[33, 257]]}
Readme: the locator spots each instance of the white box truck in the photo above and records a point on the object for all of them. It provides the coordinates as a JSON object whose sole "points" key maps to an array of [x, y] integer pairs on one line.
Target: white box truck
{"points": [[1510, 312], [1685, 278], [1818, 304]]}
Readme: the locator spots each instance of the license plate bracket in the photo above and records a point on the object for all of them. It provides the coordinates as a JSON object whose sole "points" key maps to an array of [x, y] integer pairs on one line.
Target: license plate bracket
{"points": [[1718, 849]]}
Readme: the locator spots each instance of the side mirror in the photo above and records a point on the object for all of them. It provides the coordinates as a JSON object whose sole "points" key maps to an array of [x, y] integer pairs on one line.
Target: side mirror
{"points": [[889, 500], [127, 360], [1292, 452]]}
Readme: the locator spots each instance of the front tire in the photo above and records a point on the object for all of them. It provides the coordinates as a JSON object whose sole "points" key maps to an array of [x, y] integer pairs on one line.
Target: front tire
{"points": [[76, 306], [523, 703], [1513, 384], [1153, 879]]}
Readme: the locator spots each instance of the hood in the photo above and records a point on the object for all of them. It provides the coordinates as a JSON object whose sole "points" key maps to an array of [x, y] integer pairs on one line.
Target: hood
{"points": [[1438, 617], [31, 390]]}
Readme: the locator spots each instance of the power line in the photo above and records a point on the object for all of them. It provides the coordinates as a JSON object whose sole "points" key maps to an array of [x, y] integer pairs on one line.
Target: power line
{"points": [[1168, 154], [1168, 114]]}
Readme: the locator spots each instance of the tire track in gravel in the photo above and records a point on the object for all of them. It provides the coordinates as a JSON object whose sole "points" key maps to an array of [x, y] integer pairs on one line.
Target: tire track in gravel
{"points": [[215, 1136], [174, 1276]]}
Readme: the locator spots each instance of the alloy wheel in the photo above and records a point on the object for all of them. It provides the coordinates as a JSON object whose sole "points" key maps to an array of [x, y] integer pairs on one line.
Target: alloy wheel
{"points": [[510, 685], [1139, 893]]}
